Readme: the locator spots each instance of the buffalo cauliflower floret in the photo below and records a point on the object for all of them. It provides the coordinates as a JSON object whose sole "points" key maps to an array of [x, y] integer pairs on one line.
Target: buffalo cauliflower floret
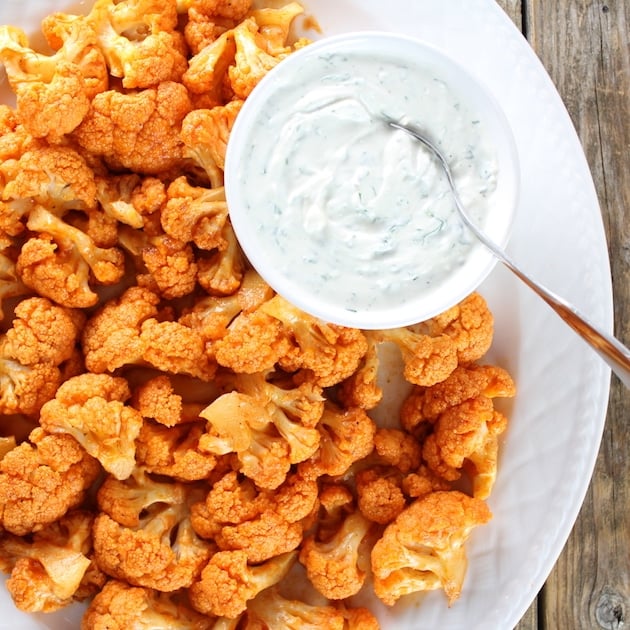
{"points": [[120, 606], [63, 29], [41, 479], [139, 40], [51, 91], [137, 130], [361, 389], [263, 523], [162, 264], [423, 549], [465, 382], [469, 324], [228, 582], [238, 423], [222, 271], [334, 565], [25, 388], [428, 359], [211, 315], [201, 30], [274, 27], [91, 408], [115, 196], [423, 481], [294, 410], [467, 436], [231, 9], [58, 178], [379, 494], [111, 337], [397, 448], [205, 133], [332, 352], [173, 451], [196, 214], [42, 332], [347, 436], [158, 400], [106, 264], [10, 283], [253, 342], [155, 545], [251, 61], [270, 609], [207, 74], [46, 573]]}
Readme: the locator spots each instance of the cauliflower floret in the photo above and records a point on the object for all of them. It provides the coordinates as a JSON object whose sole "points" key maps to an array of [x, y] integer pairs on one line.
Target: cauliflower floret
{"points": [[467, 435], [361, 389], [232, 9], [40, 480], [90, 408], [25, 388], [58, 178], [379, 495], [228, 582], [173, 451], [423, 549], [428, 359], [333, 565], [469, 324], [423, 481], [115, 195], [397, 448], [10, 284], [111, 337], [238, 423], [332, 352], [139, 40], [155, 545], [42, 332], [158, 400], [46, 573], [221, 273], [52, 95], [137, 130], [196, 214], [465, 382], [106, 264], [251, 61], [205, 132], [254, 342], [295, 411], [270, 609], [169, 264], [207, 73], [262, 523], [274, 26], [61, 29], [201, 30], [122, 607], [125, 332], [173, 347], [211, 316], [347, 436]]}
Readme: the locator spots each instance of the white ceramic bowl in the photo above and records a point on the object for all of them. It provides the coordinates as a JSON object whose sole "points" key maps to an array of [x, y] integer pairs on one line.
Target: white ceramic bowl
{"points": [[276, 122]]}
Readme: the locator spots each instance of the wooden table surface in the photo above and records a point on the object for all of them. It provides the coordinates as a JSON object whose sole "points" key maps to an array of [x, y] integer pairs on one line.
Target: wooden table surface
{"points": [[585, 47]]}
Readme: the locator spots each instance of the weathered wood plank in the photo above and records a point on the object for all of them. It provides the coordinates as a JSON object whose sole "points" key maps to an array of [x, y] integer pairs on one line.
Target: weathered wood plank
{"points": [[585, 47]]}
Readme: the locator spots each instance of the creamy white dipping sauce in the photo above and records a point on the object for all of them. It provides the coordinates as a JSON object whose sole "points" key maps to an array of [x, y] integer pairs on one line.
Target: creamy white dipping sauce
{"points": [[344, 206]]}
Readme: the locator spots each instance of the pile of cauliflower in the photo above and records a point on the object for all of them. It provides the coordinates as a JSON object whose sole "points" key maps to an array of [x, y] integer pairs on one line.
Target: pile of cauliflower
{"points": [[180, 446]]}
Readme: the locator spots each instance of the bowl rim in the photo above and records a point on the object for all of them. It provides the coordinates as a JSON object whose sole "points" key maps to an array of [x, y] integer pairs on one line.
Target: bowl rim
{"points": [[480, 260]]}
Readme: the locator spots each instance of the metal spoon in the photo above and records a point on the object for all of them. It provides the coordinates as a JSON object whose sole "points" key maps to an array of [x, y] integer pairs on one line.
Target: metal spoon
{"points": [[611, 350]]}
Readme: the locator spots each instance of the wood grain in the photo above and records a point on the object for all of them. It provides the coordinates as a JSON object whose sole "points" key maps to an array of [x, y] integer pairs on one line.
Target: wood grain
{"points": [[585, 47]]}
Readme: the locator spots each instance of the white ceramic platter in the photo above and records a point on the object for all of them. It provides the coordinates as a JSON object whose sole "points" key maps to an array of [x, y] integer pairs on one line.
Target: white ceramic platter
{"points": [[557, 419]]}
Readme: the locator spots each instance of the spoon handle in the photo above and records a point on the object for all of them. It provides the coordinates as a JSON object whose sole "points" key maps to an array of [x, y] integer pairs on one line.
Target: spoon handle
{"points": [[610, 349]]}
